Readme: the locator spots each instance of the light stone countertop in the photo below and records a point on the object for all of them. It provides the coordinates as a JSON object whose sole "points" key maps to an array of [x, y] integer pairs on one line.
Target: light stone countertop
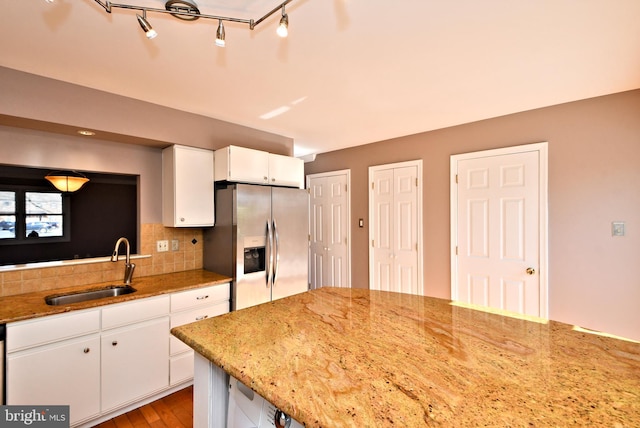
{"points": [[350, 357], [32, 305]]}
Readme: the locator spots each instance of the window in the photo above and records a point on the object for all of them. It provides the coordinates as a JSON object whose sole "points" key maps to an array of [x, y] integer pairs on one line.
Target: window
{"points": [[7, 214], [39, 224], [26, 216]]}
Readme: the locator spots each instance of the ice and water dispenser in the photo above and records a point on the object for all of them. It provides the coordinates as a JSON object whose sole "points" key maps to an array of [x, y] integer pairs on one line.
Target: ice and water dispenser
{"points": [[255, 254]]}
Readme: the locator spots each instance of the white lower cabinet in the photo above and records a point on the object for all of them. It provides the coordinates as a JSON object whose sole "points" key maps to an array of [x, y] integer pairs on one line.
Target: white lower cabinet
{"points": [[187, 307], [105, 360], [134, 362], [56, 361], [63, 373], [135, 346]]}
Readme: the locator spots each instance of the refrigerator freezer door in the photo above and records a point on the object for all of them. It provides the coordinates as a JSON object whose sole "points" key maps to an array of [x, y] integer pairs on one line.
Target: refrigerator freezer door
{"points": [[290, 217], [252, 217]]}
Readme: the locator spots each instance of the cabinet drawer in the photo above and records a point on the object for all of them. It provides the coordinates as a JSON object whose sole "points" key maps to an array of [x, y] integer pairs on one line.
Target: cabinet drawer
{"points": [[186, 317], [131, 312], [25, 334], [199, 297], [181, 368]]}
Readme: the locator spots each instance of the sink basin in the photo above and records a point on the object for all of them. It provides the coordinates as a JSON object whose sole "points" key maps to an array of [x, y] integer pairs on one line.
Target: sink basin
{"points": [[93, 294]]}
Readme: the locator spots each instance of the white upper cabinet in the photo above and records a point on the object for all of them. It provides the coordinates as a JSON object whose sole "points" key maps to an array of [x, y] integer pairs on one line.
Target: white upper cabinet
{"points": [[240, 164], [286, 171], [187, 187], [243, 165]]}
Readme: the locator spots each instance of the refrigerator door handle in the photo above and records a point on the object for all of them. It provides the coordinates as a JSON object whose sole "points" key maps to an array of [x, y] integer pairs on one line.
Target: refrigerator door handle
{"points": [[269, 266], [277, 252]]}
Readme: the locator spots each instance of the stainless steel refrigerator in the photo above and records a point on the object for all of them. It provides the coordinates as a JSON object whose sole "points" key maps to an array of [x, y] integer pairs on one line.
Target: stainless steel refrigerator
{"points": [[260, 239]]}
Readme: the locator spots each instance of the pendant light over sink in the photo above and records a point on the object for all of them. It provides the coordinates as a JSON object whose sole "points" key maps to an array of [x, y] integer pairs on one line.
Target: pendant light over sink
{"points": [[67, 181]]}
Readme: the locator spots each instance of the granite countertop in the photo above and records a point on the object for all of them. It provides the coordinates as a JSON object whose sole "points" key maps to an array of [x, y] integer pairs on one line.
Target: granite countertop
{"points": [[32, 305], [352, 357]]}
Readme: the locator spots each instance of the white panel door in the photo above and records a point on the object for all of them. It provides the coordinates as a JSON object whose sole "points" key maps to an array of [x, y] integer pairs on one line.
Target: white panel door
{"points": [[498, 232], [382, 225], [329, 230], [395, 211], [406, 230]]}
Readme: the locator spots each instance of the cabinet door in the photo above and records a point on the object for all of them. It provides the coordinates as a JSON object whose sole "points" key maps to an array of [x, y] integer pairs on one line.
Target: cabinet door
{"points": [[187, 187], [135, 362], [286, 171], [239, 164], [65, 373]]}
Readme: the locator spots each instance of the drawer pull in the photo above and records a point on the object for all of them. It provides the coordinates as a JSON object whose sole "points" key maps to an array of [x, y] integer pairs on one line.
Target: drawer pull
{"points": [[114, 343], [86, 350], [202, 317], [202, 297]]}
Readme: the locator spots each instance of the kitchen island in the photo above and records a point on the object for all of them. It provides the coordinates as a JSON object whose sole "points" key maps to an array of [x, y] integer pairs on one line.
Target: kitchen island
{"points": [[351, 357]]}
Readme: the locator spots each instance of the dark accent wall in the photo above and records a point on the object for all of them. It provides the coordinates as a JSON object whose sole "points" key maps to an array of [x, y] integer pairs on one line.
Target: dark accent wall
{"points": [[102, 211]]}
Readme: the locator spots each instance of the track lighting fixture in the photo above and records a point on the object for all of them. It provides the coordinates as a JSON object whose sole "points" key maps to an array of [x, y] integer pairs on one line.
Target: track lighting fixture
{"points": [[220, 34], [283, 28], [148, 29], [187, 10]]}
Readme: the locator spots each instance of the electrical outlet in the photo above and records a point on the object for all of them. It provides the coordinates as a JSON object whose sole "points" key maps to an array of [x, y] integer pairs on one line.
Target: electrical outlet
{"points": [[162, 246], [617, 228], [175, 245]]}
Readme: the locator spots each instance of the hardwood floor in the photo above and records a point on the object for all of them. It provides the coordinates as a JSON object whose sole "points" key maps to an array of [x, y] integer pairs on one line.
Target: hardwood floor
{"points": [[172, 411]]}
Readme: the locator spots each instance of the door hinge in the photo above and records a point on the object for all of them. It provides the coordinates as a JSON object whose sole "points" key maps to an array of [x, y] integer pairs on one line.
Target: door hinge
{"points": [[346, 188], [372, 185], [456, 250], [309, 237], [416, 181], [456, 178], [373, 243]]}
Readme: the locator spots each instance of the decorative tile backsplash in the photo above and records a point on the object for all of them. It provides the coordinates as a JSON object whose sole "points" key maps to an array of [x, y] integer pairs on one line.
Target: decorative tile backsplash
{"points": [[187, 257]]}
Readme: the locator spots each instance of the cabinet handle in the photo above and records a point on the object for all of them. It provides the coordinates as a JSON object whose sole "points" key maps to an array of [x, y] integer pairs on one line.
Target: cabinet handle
{"points": [[182, 219], [86, 350], [202, 297], [114, 343], [202, 317]]}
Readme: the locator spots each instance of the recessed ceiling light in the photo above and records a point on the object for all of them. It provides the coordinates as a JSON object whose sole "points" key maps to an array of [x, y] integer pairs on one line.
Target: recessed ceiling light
{"points": [[86, 132]]}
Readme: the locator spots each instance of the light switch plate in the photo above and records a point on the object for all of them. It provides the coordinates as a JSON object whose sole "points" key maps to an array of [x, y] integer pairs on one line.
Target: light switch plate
{"points": [[617, 228], [175, 245]]}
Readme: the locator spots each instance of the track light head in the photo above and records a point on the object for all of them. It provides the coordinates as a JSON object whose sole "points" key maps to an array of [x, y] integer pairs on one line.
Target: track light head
{"points": [[283, 28], [220, 34], [146, 27]]}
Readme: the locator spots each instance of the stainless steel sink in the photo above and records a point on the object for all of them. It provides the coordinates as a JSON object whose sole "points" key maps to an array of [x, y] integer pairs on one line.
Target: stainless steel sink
{"points": [[93, 294]]}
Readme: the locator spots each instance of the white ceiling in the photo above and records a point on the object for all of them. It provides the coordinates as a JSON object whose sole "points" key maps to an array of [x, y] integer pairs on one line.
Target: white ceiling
{"points": [[351, 72]]}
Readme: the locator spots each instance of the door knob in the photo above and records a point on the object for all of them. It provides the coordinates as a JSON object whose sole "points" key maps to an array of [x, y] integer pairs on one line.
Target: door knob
{"points": [[530, 271]]}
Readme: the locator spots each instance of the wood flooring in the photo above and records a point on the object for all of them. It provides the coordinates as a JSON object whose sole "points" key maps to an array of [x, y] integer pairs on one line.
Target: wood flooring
{"points": [[172, 411]]}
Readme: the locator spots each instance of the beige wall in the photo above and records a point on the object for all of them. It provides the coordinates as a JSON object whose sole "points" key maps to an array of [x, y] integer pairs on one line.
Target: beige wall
{"points": [[594, 179], [37, 102]]}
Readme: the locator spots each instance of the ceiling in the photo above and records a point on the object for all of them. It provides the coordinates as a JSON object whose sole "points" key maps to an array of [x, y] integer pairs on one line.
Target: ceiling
{"points": [[351, 72]]}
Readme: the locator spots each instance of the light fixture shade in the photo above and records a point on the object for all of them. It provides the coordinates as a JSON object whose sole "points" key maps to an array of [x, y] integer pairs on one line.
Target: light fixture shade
{"points": [[68, 181], [220, 35], [283, 28], [148, 29]]}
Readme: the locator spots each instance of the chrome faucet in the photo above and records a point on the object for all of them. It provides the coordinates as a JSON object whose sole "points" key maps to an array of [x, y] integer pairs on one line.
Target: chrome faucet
{"points": [[128, 266]]}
